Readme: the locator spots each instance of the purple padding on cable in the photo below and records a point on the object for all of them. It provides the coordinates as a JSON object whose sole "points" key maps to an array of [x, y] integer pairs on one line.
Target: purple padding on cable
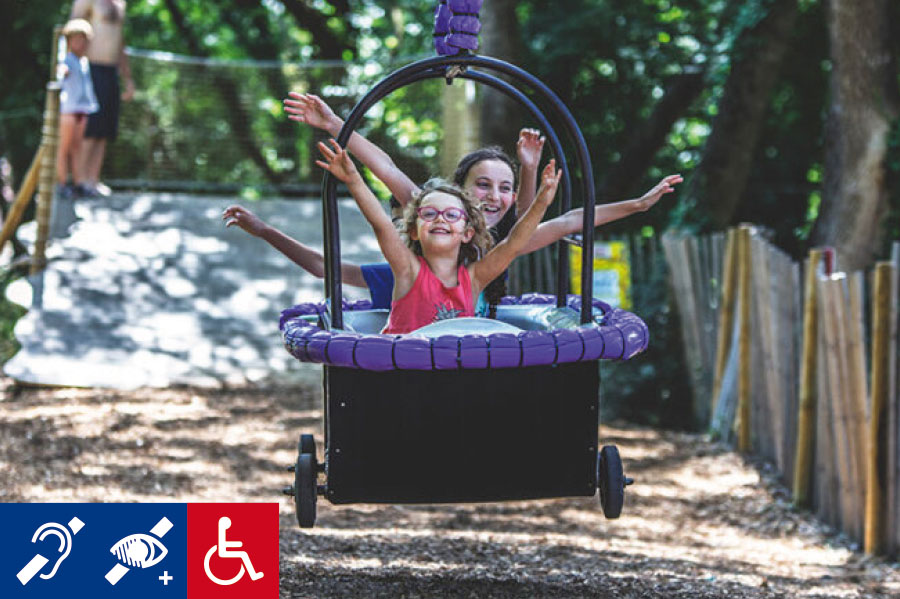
{"points": [[538, 348], [463, 41], [570, 346], [374, 352], [446, 352], [635, 334], [474, 351], [620, 335], [441, 29], [614, 343], [341, 348], [442, 16], [357, 305], [316, 346], [296, 338], [412, 353], [593, 343], [506, 351], [470, 25], [441, 47], [469, 6]]}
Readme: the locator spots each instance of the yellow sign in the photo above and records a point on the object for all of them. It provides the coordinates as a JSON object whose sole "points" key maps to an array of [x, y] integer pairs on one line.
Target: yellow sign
{"points": [[612, 273]]}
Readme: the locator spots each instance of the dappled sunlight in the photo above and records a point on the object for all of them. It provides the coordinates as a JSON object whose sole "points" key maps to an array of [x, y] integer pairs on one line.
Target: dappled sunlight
{"points": [[698, 515], [150, 290]]}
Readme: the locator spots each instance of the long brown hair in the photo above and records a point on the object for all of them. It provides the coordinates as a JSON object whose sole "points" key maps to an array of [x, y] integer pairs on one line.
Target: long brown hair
{"points": [[496, 289], [470, 251]]}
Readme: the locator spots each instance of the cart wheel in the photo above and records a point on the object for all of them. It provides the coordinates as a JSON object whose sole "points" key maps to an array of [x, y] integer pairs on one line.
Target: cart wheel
{"points": [[611, 481], [307, 444], [305, 490]]}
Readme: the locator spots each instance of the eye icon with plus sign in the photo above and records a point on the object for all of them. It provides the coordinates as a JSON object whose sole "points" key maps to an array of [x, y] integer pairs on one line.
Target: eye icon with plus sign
{"points": [[139, 551]]}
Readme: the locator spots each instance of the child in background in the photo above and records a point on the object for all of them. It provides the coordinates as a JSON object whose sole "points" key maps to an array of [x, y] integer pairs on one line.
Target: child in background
{"points": [[447, 259], [77, 101]]}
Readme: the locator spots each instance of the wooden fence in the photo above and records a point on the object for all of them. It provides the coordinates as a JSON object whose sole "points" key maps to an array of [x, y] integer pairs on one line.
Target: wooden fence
{"points": [[798, 364]]}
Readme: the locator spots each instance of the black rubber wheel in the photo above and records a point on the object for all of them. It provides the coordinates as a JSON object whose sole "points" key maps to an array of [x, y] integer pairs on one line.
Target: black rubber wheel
{"points": [[307, 444], [611, 481], [305, 490]]}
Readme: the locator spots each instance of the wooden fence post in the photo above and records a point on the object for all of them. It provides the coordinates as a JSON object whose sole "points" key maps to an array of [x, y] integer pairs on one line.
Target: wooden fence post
{"points": [[881, 335], [806, 416], [743, 436], [892, 523], [726, 314], [50, 138], [26, 191]]}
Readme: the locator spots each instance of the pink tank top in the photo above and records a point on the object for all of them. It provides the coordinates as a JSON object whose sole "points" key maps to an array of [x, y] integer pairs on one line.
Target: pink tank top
{"points": [[429, 301]]}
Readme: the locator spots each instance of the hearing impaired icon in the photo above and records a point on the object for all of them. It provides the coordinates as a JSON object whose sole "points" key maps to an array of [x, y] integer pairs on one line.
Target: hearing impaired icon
{"points": [[37, 563]]}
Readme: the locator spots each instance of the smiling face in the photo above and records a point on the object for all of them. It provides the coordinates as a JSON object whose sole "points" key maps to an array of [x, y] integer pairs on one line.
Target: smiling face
{"points": [[439, 234], [492, 184]]}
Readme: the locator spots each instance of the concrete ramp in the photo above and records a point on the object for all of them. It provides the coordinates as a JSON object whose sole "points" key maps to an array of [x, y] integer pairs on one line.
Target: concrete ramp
{"points": [[152, 290]]}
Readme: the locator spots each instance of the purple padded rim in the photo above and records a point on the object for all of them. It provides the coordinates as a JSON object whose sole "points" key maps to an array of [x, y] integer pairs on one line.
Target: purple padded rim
{"points": [[619, 336]]}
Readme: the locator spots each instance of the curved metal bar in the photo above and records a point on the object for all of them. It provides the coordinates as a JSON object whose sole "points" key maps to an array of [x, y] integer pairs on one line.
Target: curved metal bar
{"points": [[333, 284], [562, 263], [555, 145]]}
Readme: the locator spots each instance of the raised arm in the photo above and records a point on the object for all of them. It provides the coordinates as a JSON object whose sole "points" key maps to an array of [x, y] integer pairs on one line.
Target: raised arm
{"points": [[304, 256], [313, 111], [403, 262], [498, 259], [528, 151], [572, 221], [81, 9]]}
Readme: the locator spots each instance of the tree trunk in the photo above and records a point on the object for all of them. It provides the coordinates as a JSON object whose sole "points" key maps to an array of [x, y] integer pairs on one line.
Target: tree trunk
{"points": [[501, 117], [862, 109], [719, 180]]}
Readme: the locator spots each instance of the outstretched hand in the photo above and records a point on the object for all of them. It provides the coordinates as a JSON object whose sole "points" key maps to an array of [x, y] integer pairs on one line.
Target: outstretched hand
{"points": [[311, 110], [667, 185], [549, 182], [243, 218], [529, 148], [337, 161]]}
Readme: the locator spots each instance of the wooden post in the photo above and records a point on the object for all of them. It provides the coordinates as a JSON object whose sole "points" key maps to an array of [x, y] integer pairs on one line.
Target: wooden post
{"points": [[857, 391], [726, 314], [49, 141], [892, 480], [744, 389], [881, 335], [22, 199], [806, 418]]}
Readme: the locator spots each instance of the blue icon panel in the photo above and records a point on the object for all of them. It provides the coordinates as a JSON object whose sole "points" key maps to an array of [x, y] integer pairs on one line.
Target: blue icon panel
{"points": [[97, 550]]}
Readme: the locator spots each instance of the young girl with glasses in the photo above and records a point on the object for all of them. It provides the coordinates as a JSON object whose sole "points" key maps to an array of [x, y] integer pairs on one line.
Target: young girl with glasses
{"points": [[447, 258]]}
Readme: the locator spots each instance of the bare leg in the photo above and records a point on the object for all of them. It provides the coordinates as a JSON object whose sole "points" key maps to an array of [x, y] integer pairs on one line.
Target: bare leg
{"points": [[67, 133], [77, 151], [94, 151]]}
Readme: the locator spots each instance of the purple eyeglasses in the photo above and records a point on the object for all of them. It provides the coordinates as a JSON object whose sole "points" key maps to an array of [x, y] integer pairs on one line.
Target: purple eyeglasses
{"points": [[451, 214]]}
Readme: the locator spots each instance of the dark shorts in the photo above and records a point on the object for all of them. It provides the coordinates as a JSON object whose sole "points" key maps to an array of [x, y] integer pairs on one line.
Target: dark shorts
{"points": [[105, 122]]}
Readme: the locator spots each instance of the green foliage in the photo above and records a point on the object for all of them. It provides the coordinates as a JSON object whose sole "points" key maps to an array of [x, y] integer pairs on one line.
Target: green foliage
{"points": [[25, 50], [9, 314]]}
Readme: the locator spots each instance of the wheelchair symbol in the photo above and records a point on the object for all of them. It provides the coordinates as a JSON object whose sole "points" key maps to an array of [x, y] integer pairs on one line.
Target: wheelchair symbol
{"points": [[224, 550]]}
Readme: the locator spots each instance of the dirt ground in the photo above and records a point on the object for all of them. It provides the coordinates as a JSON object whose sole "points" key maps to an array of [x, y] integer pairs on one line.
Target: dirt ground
{"points": [[700, 522]]}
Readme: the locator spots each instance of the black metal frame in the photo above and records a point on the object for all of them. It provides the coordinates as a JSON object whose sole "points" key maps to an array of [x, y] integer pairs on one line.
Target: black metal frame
{"points": [[457, 66]]}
